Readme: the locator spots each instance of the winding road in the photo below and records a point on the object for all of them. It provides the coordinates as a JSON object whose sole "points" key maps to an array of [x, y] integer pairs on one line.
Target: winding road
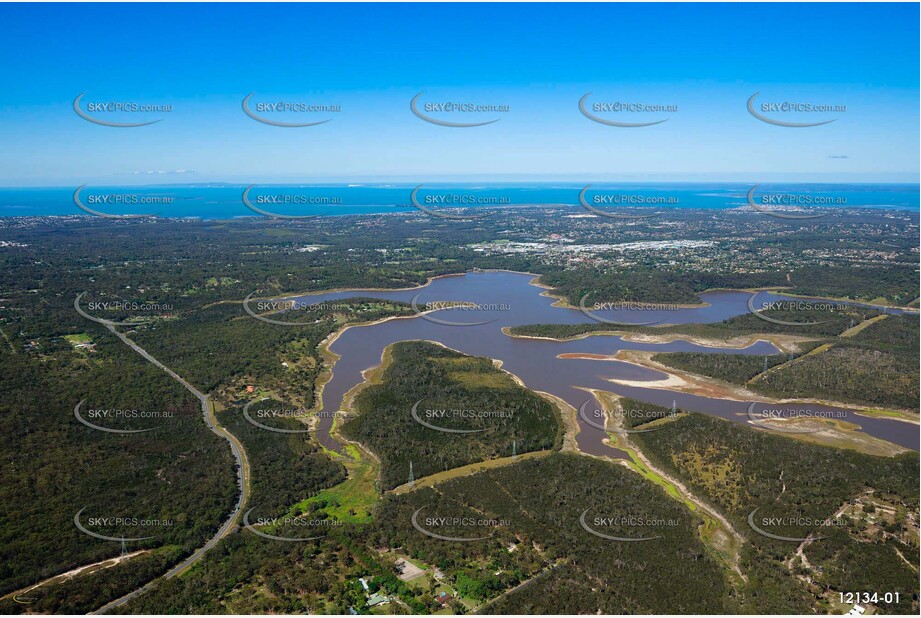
{"points": [[236, 447]]}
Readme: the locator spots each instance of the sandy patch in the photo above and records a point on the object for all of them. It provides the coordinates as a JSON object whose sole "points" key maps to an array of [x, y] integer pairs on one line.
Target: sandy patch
{"points": [[408, 570]]}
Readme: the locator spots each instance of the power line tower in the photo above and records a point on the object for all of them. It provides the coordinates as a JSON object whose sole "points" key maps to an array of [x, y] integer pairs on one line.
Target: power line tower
{"points": [[412, 479], [514, 450]]}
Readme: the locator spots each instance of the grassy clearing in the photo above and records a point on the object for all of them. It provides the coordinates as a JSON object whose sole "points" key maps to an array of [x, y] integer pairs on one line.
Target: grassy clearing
{"points": [[859, 327], [722, 543], [480, 466], [352, 500]]}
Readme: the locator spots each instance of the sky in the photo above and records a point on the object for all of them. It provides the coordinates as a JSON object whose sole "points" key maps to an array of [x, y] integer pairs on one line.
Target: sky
{"points": [[539, 60]]}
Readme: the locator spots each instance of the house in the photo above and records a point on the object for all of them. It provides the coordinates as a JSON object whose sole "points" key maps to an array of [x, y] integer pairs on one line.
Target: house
{"points": [[857, 610], [377, 599], [443, 598], [373, 599]]}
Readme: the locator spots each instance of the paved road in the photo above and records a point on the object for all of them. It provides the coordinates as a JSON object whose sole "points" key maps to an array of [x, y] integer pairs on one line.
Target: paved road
{"points": [[243, 474]]}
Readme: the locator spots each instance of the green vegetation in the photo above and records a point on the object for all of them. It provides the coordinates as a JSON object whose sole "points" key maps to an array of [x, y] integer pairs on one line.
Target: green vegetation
{"points": [[813, 323], [739, 469], [849, 373], [648, 283], [676, 284], [285, 468], [489, 402], [78, 338], [878, 366], [896, 332], [246, 573], [223, 349], [539, 536], [54, 466], [250, 574], [735, 368], [196, 272], [353, 499]]}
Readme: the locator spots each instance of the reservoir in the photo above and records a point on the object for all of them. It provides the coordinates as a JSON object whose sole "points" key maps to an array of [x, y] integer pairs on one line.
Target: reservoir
{"points": [[509, 299]]}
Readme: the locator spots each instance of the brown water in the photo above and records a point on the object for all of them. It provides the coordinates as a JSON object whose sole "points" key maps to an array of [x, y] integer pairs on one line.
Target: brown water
{"points": [[511, 300]]}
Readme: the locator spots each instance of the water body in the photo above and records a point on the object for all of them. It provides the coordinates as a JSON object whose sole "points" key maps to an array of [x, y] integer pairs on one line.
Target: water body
{"points": [[508, 299], [224, 201]]}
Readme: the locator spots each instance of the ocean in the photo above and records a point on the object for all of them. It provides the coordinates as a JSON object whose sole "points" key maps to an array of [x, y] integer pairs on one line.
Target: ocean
{"points": [[225, 201]]}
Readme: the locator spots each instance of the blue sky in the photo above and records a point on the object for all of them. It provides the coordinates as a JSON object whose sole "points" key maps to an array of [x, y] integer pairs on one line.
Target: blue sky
{"points": [[539, 60]]}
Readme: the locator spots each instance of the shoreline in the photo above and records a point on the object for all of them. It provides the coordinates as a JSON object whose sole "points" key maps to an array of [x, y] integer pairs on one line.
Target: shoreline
{"points": [[566, 415], [693, 384], [782, 342], [560, 302], [407, 209]]}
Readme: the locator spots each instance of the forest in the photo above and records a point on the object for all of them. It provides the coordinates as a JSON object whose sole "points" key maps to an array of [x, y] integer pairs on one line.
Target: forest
{"points": [[739, 469], [199, 271], [574, 571], [494, 410], [54, 466], [877, 366], [809, 322]]}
